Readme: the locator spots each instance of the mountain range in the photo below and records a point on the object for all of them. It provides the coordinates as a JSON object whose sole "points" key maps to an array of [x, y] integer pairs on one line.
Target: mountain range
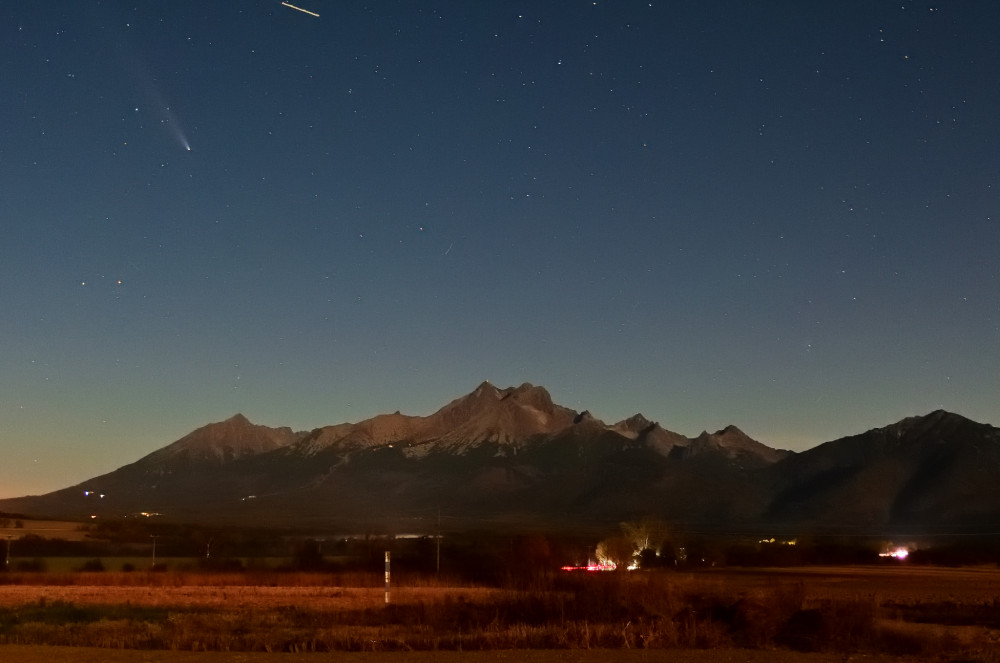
{"points": [[511, 458]]}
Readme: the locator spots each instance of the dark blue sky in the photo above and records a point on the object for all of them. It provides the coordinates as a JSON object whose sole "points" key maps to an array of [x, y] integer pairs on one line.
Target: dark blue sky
{"points": [[777, 215]]}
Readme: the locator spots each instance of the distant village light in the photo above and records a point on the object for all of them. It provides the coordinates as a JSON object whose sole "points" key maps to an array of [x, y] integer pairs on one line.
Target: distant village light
{"points": [[899, 552]]}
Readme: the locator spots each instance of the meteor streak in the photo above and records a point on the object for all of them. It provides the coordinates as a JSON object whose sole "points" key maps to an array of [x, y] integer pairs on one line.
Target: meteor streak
{"points": [[304, 11]]}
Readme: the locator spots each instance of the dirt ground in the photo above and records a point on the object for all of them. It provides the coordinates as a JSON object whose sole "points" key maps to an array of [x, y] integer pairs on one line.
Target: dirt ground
{"points": [[21, 654]]}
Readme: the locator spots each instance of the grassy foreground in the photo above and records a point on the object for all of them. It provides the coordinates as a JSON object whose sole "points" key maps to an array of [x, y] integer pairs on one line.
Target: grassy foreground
{"points": [[43, 654], [925, 613]]}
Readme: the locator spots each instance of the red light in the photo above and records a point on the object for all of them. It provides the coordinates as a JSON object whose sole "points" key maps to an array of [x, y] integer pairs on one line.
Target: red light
{"points": [[591, 567]]}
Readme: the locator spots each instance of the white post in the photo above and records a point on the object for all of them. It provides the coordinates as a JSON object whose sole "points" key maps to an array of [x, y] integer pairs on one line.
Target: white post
{"points": [[387, 577]]}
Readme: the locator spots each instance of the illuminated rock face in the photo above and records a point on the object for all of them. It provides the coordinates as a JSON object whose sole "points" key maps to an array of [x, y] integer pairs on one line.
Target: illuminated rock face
{"points": [[506, 457]]}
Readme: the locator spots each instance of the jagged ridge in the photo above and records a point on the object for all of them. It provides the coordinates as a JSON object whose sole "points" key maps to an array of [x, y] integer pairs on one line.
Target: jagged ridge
{"points": [[513, 454]]}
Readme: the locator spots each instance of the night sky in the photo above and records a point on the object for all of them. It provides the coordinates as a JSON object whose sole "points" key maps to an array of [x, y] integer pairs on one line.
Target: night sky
{"points": [[778, 215]]}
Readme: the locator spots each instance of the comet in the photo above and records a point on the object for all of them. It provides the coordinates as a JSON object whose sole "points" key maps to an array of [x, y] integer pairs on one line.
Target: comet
{"points": [[304, 11]]}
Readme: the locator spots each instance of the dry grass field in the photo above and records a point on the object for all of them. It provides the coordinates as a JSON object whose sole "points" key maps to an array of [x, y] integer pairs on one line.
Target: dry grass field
{"points": [[45, 654], [898, 583], [47, 529], [801, 614]]}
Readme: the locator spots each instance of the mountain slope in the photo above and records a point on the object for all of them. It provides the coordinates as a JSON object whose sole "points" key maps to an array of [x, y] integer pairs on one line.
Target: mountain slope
{"points": [[932, 472], [186, 477]]}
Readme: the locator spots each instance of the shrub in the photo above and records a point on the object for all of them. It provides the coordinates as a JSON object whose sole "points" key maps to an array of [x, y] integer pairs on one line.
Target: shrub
{"points": [[93, 565], [35, 565]]}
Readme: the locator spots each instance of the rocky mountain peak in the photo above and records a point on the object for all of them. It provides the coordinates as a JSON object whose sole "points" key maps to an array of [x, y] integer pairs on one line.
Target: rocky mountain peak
{"points": [[528, 394], [488, 398], [483, 397], [938, 420], [935, 428], [735, 443], [635, 424], [731, 436], [485, 390], [507, 416], [227, 440]]}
